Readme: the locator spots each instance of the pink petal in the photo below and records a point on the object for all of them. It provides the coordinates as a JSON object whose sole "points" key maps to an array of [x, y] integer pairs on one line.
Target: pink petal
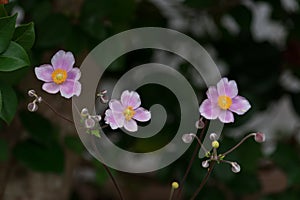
{"points": [[212, 94], [142, 115], [70, 88], [51, 88], [74, 74], [119, 119], [130, 99], [116, 106], [240, 105], [44, 72], [109, 119], [130, 125], [228, 88], [63, 60], [209, 110], [226, 116]]}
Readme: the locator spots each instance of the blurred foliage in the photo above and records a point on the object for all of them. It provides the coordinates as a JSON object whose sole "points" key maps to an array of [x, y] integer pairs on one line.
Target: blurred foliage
{"points": [[257, 65]]}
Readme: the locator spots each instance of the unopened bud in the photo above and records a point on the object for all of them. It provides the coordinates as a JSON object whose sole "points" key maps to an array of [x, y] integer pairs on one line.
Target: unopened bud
{"points": [[215, 144], [260, 137], [188, 138], [31, 93], [200, 124], [213, 137], [89, 123], [32, 107], [84, 112], [205, 164], [235, 167]]}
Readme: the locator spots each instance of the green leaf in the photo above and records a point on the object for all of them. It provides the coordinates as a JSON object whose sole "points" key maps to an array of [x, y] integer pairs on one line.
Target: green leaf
{"points": [[39, 157], [7, 27], [39, 127], [9, 103], [3, 150], [74, 144], [24, 35], [15, 57]]}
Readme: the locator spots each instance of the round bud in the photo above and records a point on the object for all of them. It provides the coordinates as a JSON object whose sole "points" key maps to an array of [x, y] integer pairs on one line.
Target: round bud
{"points": [[89, 123], [175, 185], [84, 112], [260, 137], [31, 93], [188, 138], [32, 107], [205, 164], [97, 118], [213, 137], [199, 124], [215, 144], [235, 167]]}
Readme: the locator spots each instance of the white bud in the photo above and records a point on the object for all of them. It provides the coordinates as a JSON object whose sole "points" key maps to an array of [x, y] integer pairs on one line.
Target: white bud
{"points": [[84, 112], [235, 167], [97, 118], [200, 124], [32, 107], [213, 137], [31, 93], [89, 123], [205, 164], [188, 138]]}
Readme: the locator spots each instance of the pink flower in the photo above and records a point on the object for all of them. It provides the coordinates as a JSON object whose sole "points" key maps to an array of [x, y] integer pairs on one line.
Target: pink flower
{"points": [[60, 76], [222, 101], [124, 113]]}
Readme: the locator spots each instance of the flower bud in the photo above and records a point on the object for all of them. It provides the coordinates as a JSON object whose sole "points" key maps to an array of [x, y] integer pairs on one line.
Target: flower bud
{"points": [[31, 93], [213, 137], [200, 124], [260, 137], [97, 118], [235, 167], [89, 123], [205, 164], [32, 107], [188, 138], [84, 112], [175, 185], [215, 144]]}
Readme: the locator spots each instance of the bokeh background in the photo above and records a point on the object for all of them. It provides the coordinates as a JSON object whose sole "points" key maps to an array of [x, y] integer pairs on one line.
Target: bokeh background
{"points": [[255, 42]]}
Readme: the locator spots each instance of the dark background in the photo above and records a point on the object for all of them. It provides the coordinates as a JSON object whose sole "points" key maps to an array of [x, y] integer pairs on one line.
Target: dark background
{"points": [[256, 43]]}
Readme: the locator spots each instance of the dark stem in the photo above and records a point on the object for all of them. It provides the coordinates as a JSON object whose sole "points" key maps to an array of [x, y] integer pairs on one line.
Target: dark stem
{"points": [[57, 113], [205, 179], [179, 194], [236, 146], [105, 167]]}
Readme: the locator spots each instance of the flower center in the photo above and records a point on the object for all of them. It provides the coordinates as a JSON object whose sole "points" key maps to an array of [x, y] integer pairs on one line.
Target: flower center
{"points": [[224, 102], [59, 76], [128, 113]]}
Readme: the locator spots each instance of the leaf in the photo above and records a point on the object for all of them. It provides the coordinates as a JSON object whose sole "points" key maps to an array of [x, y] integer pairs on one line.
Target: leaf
{"points": [[3, 150], [15, 57], [24, 35], [39, 127], [39, 157], [9, 103], [7, 27]]}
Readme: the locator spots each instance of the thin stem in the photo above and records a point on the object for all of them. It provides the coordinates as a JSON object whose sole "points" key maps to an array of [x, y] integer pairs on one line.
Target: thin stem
{"points": [[105, 167], [60, 115], [171, 194], [191, 162], [205, 179], [200, 143], [236, 146]]}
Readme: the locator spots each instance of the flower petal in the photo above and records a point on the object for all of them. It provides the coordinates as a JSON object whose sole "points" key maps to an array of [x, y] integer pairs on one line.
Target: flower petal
{"points": [[226, 116], [119, 119], [209, 110], [131, 99], [63, 60], [142, 115], [240, 105], [212, 94], [51, 88], [116, 106], [109, 119], [228, 88], [130, 125], [44, 72], [70, 88], [74, 74]]}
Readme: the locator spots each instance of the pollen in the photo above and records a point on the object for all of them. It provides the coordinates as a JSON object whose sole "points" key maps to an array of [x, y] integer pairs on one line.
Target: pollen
{"points": [[224, 102], [59, 76], [129, 113]]}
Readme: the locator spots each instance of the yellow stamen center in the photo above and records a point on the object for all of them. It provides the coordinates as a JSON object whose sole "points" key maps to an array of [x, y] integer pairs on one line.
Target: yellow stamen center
{"points": [[129, 113], [59, 76], [224, 102]]}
